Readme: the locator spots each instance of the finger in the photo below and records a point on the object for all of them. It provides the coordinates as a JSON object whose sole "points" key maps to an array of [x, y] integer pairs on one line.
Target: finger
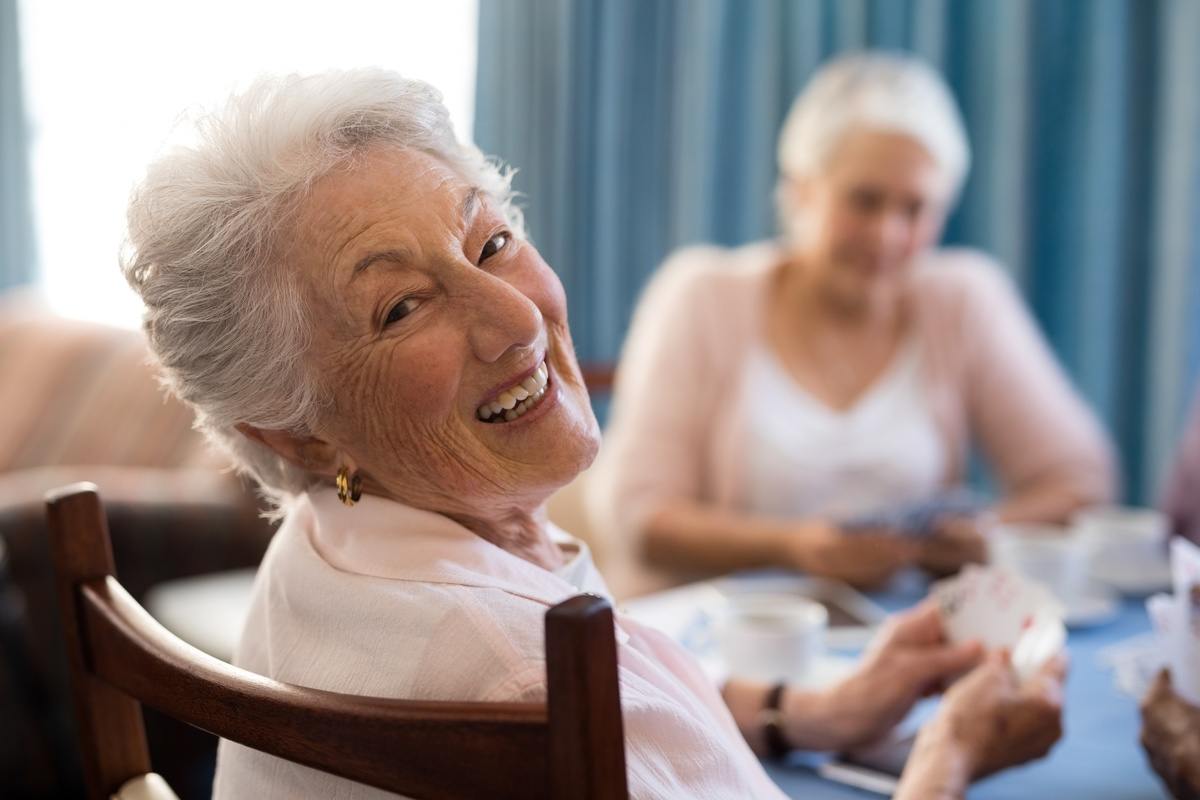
{"points": [[891, 547], [943, 663], [921, 624], [1057, 667], [1047, 683]]}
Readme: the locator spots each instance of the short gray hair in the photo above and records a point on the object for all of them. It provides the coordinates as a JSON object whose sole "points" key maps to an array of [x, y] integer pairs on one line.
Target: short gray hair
{"points": [[873, 91], [224, 316]]}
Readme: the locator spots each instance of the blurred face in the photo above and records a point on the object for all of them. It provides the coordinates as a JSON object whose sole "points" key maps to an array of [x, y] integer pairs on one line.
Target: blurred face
{"points": [[442, 339], [880, 202]]}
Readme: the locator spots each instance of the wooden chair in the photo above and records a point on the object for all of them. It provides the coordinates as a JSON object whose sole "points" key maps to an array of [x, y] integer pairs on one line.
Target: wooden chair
{"points": [[571, 747]]}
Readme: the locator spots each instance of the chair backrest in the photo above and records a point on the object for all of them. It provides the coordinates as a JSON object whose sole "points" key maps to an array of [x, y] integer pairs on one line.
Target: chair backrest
{"points": [[571, 747]]}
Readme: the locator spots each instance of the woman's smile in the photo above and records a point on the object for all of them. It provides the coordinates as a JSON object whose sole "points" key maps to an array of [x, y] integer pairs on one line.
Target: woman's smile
{"points": [[518, 397]]}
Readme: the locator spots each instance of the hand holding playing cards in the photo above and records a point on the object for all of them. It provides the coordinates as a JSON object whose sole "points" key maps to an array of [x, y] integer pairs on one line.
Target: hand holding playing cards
{"points": [[1171, 737], [908, 660], [955, 542], [987, 722], [865, 560], [999, 722]]}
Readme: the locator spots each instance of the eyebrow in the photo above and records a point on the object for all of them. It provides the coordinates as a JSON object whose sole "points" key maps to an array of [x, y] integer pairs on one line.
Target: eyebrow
{"points": [[467, 210]]}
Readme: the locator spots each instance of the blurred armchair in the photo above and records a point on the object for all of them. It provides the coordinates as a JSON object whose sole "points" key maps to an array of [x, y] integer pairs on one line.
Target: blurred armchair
{"points": [[81, 403]]}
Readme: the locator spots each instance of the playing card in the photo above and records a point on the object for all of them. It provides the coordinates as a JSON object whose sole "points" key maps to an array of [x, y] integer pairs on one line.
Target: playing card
{"points": [[1176, 619], [1000, 609], [919, 519], [1044, 639]]}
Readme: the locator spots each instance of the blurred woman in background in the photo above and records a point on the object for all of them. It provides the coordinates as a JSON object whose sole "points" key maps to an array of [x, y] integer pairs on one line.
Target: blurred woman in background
{"points": [[777, 402]]}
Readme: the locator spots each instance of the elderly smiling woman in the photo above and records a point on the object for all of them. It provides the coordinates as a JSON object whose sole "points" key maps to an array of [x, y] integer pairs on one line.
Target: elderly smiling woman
{"points": [[345, 295]]}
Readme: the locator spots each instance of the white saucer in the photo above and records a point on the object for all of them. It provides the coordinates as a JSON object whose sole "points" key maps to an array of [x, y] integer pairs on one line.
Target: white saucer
{"points": [[1139, 580], [1096, 607]]}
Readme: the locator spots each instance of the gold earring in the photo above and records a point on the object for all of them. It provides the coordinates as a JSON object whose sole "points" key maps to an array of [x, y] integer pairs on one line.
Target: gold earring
{"points": [[349, 486]]}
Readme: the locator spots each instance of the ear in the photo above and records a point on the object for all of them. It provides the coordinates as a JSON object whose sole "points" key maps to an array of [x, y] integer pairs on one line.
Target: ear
{"points": [[307, 452]]}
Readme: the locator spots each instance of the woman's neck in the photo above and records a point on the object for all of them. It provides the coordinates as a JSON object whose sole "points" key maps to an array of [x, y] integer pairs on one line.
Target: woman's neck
{"points": [[522, 529], [815, 302], [524, 534]]}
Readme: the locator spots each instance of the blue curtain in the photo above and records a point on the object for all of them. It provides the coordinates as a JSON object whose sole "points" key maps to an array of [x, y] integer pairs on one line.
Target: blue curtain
{"points": [[16, 219], [642, 125]]}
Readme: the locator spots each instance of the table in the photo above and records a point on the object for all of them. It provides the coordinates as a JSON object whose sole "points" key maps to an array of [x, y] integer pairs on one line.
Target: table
{"points": [[1098, 758]]}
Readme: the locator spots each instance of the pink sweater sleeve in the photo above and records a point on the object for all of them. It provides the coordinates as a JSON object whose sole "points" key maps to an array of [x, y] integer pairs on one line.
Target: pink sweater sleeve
{"points": [[1033, 427], [657, 432]]}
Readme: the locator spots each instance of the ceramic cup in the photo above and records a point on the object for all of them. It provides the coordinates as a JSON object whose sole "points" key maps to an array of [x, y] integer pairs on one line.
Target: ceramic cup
{"points": [[1123, 539], [1051, 555], [771, 637]]}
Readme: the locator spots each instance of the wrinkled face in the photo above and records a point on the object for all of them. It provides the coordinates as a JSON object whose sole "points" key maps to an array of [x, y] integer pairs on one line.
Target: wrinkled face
{"points": [[441, 338], [880, 202]]}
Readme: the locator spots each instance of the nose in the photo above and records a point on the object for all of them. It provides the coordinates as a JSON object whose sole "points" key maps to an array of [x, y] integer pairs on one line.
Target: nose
{"points": [[503, 318], [891, 231]]}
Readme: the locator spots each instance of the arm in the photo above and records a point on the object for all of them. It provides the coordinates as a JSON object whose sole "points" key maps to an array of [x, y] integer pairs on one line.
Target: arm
{"points": [[908, 660], [708, 540], [1047, 448]]}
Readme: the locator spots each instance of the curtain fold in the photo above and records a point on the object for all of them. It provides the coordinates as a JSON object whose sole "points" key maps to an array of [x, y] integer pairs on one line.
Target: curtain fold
{"points": [[639, 126], [16, 218]]}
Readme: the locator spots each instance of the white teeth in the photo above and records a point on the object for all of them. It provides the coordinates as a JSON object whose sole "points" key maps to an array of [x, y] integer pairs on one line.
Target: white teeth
{"points": [[514, 402]]}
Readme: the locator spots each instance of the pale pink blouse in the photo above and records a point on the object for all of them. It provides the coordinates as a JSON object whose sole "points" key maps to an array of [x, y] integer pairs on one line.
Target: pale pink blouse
{"points": [[386, 600]]}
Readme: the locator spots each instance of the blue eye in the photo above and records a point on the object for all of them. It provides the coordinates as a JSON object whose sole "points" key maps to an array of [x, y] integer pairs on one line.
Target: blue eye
{"points": [[494, 245], [401, 310]]}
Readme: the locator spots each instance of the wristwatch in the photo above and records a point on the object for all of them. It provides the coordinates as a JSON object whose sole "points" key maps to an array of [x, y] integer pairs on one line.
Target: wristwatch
{"points": [[771, 717]]}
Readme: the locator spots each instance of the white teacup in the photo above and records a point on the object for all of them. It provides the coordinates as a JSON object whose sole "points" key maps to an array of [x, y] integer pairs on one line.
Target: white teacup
{"points": [[1051, 555], [771, 637], [1123, 539]]}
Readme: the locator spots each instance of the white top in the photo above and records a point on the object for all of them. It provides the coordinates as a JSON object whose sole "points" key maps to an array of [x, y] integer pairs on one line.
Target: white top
{"points": [[389, 601], [805, 459]]}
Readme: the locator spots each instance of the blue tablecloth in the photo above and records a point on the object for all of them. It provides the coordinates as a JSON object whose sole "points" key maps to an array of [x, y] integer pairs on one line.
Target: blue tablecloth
{"points": [[1098, 758]]}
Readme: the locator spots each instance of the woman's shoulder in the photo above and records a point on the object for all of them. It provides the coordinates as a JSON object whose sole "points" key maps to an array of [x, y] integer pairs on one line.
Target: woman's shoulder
{"points": [[714, 270], [955, 280], [962, 270]]}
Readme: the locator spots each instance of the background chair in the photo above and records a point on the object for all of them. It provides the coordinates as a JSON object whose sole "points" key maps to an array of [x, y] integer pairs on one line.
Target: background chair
{"points": [[81, 402], [572, 747]]}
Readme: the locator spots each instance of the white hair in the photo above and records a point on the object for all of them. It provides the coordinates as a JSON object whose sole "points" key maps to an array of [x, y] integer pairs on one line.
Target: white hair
{"points": [[207, 225], [871, 91]]}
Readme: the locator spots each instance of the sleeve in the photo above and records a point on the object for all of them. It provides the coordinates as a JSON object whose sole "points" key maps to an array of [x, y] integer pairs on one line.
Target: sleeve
{"points": [[680, 739], [656, 438], [1033, 427], [1181, 499]]}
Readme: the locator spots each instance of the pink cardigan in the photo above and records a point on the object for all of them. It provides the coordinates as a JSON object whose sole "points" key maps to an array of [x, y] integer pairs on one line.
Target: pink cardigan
{"points": [[991, 379]]}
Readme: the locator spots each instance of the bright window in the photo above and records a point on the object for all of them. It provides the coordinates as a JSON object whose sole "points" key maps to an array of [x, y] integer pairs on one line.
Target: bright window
{"points": [[107, 83]]}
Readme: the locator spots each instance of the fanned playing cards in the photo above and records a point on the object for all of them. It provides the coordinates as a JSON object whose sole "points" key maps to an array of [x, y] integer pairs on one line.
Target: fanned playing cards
{"points": [[999, 608]]}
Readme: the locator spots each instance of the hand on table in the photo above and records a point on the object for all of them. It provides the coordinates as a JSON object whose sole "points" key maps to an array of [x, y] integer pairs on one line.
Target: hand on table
{"points": [[955, 542], [1171, 738], [865, 560], [908, 660]]}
